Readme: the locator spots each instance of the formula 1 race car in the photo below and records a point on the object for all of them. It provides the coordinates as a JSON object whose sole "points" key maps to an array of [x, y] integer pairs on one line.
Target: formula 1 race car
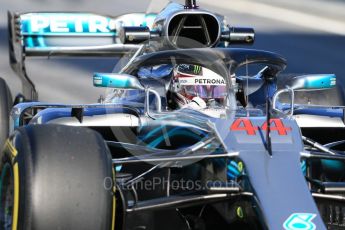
{"points": [[184, 139]]}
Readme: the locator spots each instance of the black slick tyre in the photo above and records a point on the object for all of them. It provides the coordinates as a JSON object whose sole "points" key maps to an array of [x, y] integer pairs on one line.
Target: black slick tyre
{"points": [[56, 177], [5, 108]]}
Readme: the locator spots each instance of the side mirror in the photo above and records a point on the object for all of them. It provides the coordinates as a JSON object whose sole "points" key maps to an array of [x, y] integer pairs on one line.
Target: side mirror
{"points": [[117, 81], [312, 82], [126, 81]]}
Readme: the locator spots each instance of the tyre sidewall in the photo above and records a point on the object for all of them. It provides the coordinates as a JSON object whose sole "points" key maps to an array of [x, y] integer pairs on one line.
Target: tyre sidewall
{"points": [[5, 107]]}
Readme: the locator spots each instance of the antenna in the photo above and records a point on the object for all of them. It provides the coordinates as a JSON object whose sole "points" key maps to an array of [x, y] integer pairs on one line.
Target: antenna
{"points": [[190, 4], [268, 122], [268, 77], [247, 74]]}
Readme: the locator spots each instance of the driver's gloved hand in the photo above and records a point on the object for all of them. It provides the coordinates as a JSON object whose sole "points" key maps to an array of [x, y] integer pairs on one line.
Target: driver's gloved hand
{"points": [[196, 103]]}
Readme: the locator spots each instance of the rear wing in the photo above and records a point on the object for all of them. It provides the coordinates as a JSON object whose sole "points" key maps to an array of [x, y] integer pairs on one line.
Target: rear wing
{"points": [[66, 34]]}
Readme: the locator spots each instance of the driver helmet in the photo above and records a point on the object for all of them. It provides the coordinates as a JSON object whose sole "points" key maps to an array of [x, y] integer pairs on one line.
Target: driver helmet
{"points": [[192, 81]]}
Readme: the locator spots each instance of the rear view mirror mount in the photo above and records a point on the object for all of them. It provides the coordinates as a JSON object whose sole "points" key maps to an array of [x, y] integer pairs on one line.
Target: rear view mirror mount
{"points": [[278, 107]]}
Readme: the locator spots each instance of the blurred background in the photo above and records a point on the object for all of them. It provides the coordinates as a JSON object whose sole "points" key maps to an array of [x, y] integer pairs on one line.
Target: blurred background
{"points": [[310, 34]]}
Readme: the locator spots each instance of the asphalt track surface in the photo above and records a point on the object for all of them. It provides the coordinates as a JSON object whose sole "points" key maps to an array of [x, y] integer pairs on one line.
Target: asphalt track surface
{"points": [[309, 34]]}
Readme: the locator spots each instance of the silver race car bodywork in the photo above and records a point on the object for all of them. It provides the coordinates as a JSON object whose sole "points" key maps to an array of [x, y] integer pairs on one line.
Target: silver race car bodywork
{"points": [[259, 161]]}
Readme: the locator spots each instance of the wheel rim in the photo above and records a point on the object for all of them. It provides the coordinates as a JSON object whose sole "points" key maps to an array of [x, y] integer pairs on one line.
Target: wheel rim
{"points": [[6, 197]]}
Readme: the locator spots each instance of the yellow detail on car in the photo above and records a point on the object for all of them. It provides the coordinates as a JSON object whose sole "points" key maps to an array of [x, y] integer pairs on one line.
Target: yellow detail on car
{"points": [[16, 196]]}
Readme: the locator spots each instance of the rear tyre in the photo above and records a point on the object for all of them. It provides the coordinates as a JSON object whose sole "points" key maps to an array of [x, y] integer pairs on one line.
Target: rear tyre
{"points": [[56, 177], [5, 108]]}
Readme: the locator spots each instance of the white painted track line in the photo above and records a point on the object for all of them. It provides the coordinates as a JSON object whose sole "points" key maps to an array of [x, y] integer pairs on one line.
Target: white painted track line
{"points": [[307, 20]]}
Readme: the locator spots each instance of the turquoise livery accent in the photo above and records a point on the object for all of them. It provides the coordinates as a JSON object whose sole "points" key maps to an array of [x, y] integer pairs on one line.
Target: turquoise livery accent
{"points": [[334, 165], [39, 29], [304, 167], [234, 170], [117, 81], [321, 81], [53, 24], [313, 82], [118, 168], [300, 221]]}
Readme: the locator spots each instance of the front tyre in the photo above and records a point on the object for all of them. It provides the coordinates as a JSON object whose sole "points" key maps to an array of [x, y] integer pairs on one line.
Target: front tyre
{"points": [[5, 108], [56, 177]]}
